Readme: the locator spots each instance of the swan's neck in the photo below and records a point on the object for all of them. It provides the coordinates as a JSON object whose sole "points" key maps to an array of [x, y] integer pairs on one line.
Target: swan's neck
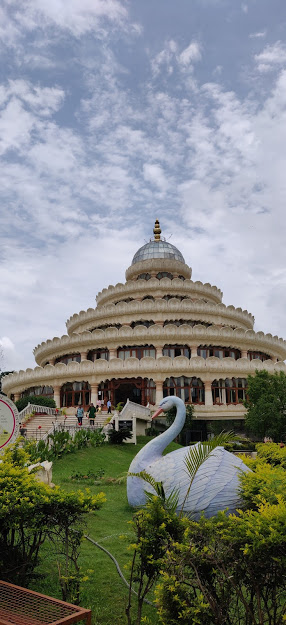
{"points": [[154, 449]]}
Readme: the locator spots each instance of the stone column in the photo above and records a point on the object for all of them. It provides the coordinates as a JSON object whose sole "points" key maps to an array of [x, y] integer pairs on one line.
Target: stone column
{"points": [[194, 350], [83, 356], [244, 353], [159, 392], [94, 393], [17, 396], [208, 393], [52, 361], [57, 395], [112, 353], [159, 351]]}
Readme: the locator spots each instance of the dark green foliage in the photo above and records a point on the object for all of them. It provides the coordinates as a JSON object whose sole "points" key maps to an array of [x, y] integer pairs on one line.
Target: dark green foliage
{"points": [[240, 444], [170, 417], [229, 570], [39, 400], [31, 513], [155, 527], [117, 437], [88, 476], [266, 405], [61, 442]]}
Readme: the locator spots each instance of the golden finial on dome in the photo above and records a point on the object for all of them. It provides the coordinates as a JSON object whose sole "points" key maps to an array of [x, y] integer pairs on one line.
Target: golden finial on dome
{"points": [[157, 230]]}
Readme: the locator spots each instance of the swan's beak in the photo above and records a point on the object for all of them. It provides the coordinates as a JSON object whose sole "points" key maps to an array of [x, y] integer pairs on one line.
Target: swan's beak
{"points": [[156, 414]]}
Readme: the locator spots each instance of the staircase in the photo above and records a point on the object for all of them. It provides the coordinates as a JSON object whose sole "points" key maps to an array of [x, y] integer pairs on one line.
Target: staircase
{"points": [[40, 425]]}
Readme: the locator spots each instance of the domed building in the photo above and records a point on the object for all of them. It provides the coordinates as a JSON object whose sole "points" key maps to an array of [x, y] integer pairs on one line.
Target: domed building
{"points": [[158, 334]]}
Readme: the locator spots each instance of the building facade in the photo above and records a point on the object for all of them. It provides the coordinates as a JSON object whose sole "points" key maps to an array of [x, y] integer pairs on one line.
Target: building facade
{"points": [[157, 334]]}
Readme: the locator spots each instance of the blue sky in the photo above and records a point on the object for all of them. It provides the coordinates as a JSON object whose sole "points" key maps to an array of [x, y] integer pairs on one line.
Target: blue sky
{"points": [[115, 113]]}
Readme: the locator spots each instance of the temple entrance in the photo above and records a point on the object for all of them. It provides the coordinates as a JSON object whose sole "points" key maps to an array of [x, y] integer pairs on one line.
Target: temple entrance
{"points": [[127, 390], [139, 390]]}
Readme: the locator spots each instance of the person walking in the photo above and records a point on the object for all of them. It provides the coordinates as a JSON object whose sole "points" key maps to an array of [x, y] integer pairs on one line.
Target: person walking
{"points": [[108, 407], [80, 414], [91, 414]]}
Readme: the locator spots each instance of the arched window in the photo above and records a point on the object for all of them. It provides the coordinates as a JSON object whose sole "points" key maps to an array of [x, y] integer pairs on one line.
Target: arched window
{"points": [[44, 391], [147, 324], [190, 390], [97, 354], [176, 350], [148, 297], [179, 297], [257, 356], [143, 276], [164, 274], [205, 351], [68, 358], [75, 393], [127, 300], [105, 326], [136, 351], [229, 391], [190, 322]]}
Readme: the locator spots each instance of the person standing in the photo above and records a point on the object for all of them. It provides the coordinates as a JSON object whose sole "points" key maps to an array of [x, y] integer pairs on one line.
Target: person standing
{"points": [[91, 414], [108, 407], [80, 414]]}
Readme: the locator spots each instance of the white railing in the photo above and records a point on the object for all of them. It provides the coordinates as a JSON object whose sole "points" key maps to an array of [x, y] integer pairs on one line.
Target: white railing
{"points": [[34, 408], [131, 408]]}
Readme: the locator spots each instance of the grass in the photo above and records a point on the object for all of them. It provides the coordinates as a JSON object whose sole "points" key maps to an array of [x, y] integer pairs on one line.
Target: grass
{"points": [[104, 592]]}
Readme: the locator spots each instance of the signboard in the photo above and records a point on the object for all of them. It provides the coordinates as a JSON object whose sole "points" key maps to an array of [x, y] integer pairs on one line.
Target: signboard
{"points": [[9, 421]]}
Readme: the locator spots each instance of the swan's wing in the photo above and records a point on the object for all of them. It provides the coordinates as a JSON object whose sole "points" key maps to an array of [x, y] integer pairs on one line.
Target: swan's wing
{"points": [[215, 486]]}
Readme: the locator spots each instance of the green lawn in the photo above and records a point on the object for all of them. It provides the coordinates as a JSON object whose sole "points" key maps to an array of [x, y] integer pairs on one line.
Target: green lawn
{"points": [[104, 592]]}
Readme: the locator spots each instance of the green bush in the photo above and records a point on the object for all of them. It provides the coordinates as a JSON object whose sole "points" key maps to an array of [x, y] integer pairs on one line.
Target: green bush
{"points": [[264, 484], [155, 527], [241, 444], [116, 437], [39, 400], [61, 442], [31, 513], [272, 453], [227, 571]]}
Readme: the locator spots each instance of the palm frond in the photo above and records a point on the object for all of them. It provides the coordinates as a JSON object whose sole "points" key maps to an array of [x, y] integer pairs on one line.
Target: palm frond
{"points": [[198, 454], [170, 502]]}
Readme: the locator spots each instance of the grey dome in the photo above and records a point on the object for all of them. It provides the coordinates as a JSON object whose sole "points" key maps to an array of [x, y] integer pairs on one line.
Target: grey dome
{"points": [[157, 249]]}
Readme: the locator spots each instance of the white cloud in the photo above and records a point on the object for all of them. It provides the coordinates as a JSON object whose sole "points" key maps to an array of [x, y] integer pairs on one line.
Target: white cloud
{"points": [[77, 16], [169, 59], [191, 54], [11, 358], [271, 57], [259, 35], [155, 175]]}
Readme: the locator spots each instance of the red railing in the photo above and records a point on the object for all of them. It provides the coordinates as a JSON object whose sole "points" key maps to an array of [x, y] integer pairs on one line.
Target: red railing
{"points": [[20, 606]]}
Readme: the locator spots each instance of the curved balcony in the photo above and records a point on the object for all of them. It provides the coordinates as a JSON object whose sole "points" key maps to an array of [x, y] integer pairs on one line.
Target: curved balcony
{"points": [[198, 335]]}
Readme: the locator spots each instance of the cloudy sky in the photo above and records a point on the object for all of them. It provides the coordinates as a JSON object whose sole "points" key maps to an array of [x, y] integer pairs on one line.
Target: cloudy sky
{"points": [[114, 113]]}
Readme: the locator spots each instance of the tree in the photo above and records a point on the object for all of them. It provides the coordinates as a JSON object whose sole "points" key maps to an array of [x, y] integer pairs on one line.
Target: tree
{"points": [[38, 400], [170, 417], [266, 404], [30, 514]]}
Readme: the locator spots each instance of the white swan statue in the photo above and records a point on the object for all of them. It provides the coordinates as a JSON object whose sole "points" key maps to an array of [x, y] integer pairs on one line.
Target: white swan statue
{"points": [[215, 486]]}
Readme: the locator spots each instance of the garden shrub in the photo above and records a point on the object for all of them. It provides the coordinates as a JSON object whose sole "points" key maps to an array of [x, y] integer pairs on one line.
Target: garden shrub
{"points": [[39, 400], [228, 570], [272, 453], [31, 513], [61, 442], [155, 526], [264, 484], [116, 437]]}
